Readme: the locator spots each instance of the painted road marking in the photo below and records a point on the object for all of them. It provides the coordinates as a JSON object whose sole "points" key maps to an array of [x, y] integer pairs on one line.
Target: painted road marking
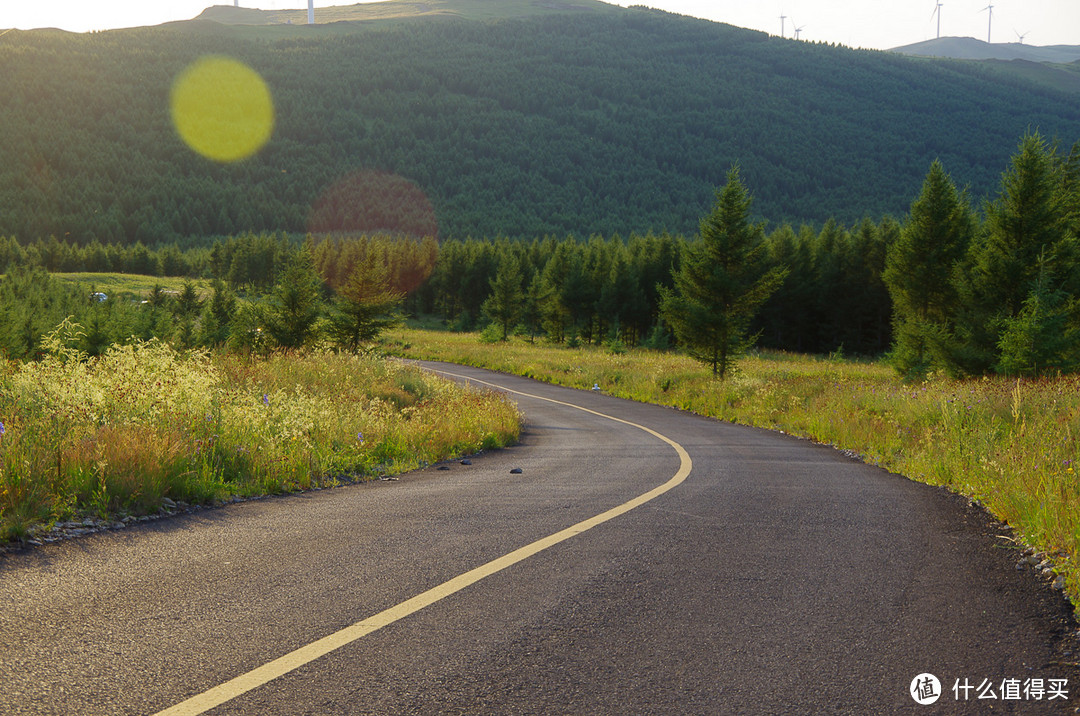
{"points": [[255, 678]]}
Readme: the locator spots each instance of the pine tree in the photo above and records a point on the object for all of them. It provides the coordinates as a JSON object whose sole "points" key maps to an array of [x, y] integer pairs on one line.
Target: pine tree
{"points": [[365, 306], [920, 268], [218, 314], [1041, 338], [721, 282], [503, 306], [1026, 235], [532, 307], [188, 304], [295, 304]]}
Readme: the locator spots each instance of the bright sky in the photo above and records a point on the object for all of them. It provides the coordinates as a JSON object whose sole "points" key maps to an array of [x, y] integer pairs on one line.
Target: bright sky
{"points": [[878, 24]]}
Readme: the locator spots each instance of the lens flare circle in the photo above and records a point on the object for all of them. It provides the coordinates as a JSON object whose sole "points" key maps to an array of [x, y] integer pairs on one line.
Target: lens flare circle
{"points": [[222, 109], [373, 202]]}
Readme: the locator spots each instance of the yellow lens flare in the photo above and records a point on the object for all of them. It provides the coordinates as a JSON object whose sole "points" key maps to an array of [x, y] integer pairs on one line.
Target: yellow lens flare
{"points": [[222, 108]]}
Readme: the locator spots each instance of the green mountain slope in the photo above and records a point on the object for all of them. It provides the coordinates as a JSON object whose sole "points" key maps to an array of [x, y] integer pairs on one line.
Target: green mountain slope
{"points": [[569, 121]]}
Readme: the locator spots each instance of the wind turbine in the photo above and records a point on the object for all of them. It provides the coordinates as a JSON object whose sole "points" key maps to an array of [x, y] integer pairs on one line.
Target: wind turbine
{"points": [[798, 30], [937, 11], [989, 21], [1021, 37], [311, 12], [782, 18]]}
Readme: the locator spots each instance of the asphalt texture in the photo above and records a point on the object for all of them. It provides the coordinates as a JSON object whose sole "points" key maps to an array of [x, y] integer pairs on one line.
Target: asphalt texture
{"points": [[780, 577]]}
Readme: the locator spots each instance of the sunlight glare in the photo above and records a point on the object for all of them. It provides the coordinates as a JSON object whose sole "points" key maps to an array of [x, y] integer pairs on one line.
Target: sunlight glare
{"points": [[222, 108]]}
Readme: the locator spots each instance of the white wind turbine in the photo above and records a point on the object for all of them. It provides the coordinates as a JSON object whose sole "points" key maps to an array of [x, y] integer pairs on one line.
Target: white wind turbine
{"points": [[782, 18], [311, 12], [937, 11], [1021, 37], [798, 30], [989, 20]]}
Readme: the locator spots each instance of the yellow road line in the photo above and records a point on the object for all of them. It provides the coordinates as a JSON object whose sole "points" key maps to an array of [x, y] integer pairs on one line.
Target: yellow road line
{"points": [[306, 654]]}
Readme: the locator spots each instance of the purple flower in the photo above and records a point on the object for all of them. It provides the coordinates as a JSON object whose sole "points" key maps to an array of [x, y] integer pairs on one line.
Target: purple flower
{"points": [[359, 436], [266, 399], [2, 430]]}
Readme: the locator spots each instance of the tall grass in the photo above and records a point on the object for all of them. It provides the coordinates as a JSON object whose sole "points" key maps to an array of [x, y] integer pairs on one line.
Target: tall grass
{"points": [[115, 435], [1012, 445]]}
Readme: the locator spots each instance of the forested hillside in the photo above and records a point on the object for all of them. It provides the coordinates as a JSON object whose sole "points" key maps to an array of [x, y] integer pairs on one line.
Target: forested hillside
{"points": [[563, 123]]}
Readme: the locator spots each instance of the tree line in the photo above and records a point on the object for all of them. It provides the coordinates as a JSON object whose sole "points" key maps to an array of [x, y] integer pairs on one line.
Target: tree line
{"points": [[948, 288], [1001, 293]]}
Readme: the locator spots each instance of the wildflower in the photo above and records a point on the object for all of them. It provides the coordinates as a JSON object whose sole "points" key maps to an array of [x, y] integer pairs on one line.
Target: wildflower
{"points": [[266, 399], [359, 437], [2, 430]]}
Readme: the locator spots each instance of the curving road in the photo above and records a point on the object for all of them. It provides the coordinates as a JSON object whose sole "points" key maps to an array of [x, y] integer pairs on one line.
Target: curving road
{"points": [[765, 575]]}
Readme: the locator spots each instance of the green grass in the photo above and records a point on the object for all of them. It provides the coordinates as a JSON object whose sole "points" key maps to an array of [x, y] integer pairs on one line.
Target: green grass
{"points": [[1012, 445], [119, 284], [115, 435]]}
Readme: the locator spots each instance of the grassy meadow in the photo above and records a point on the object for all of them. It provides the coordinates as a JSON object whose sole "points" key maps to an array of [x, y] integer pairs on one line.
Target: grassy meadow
{"points": [[115, 435], [1011, 445], [118, 284]]}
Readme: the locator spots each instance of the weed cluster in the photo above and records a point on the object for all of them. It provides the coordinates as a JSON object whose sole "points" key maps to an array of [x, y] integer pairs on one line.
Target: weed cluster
{"points": [[116, 434]]}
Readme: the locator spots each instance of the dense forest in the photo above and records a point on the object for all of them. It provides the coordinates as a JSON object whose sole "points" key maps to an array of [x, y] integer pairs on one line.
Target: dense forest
{"points": [[947, 288], [587, 124], [568, 290]]}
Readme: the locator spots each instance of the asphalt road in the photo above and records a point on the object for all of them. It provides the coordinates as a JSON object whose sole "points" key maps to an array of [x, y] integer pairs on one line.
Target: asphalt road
{"points": [[779, 577]]}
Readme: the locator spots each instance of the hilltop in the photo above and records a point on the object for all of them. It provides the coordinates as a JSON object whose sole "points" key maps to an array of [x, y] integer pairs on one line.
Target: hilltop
{"points": [[402, 9], [547, 119], [968, 48]]}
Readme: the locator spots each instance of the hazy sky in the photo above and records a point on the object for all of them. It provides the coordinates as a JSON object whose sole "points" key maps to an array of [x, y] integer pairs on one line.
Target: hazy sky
{"points": [[879, 24]]}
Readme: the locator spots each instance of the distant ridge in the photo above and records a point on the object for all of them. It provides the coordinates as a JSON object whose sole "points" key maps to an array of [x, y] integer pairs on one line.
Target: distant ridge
{"points": [[968, 48], [399, 9]]}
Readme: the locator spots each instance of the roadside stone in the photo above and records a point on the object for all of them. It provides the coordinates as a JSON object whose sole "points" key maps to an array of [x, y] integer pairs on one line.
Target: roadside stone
{"points": [[167, 503], [1059, 582], [516, 471], [466, 461]]}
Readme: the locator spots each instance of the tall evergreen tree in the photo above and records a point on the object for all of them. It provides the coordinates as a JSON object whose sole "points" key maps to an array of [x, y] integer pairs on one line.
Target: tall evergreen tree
{"points": [[295, 304], [1026, 236], [218, 313], [365, 305], [503, 306], [721, 282], [920, 271], [532, 307], [1041, 337]]}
